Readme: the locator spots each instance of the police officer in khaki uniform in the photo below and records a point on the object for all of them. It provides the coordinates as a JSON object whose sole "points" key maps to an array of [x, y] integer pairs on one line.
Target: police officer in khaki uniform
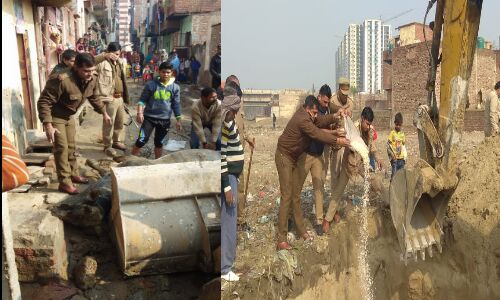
{"points": [[58, 102], [340, 100], [113, 92], [492, 112]]}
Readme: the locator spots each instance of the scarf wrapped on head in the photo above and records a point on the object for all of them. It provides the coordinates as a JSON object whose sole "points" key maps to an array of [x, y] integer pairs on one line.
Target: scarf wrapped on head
{"points": [[232, 99]]}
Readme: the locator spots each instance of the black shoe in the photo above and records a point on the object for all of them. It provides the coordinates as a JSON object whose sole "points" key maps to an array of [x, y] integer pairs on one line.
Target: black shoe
{"points": [[291, 224], [319, 229]]}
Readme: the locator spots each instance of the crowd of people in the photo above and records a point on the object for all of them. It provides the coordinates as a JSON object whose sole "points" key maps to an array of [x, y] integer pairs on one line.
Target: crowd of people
{"points": [[102, 80], [313, 141]]}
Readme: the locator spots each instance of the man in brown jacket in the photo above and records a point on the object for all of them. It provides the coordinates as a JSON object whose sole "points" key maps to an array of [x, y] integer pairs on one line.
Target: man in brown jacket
{"points": [[113, 92], [58, 102], [302, 127]]}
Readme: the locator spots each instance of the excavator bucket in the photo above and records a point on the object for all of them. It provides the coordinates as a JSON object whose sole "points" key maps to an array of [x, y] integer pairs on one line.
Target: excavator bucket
{"points": [[418, 205], [419, 195], [166, 217]]}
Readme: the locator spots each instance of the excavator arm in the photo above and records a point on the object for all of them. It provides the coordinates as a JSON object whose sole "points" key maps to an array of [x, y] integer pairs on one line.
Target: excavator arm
{"points": [[419, 196]]}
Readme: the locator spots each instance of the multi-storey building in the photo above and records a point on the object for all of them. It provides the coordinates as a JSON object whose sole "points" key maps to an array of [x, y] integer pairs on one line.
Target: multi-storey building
{"points": [[359, 56], [123, 15]]}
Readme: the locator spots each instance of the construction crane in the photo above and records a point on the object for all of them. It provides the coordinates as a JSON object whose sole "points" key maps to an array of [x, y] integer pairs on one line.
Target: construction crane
{"points": [[396, 16]]}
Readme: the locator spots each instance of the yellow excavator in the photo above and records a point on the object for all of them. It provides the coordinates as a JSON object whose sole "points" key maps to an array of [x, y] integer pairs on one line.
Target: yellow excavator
{"points": [[419, 196]]}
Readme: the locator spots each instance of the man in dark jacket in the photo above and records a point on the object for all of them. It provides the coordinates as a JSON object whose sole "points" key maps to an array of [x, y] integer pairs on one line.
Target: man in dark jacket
{"points": [[215, 68], [59, 101], [303, 127], [68, 59]]}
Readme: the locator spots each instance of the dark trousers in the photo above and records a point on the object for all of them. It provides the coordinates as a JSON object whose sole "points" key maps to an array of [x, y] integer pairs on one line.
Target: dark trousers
{"points": [[397, 165], [194, 75], [215, 82], [160, 126], [195, 141]]}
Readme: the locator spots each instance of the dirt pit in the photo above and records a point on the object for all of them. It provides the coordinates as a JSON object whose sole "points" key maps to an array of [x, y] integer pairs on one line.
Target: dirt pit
{"points": [[468, 267]]}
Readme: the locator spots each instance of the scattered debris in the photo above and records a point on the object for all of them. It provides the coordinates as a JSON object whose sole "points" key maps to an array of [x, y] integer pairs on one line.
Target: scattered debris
{"points": [[85, 273]]}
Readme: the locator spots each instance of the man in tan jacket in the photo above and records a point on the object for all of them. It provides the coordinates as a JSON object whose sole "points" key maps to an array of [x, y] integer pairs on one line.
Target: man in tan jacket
{"points": [[206, 113], [350, 165], [112, 91], [303, 127], [492, 112], [340, 100]]}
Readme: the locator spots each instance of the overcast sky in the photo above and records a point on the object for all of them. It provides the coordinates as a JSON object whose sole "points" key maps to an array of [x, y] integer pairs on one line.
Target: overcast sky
{"points": [[291, 44]]}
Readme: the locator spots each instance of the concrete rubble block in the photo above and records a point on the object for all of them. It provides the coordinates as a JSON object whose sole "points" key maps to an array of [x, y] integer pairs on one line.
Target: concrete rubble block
{"points": [[50, 164], [35, 172], [44, 181], [48, 171], [38, 237], [55, 198], [85, 273]]}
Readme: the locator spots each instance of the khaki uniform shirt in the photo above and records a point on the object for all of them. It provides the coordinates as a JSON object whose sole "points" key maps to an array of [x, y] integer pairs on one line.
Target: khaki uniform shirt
{"points": [[64, 94], [492, 113], [352, 161], [337, 153], [111, 80]]}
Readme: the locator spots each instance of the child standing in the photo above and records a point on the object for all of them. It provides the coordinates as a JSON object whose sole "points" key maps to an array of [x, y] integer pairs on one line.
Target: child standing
{"points": [[154, 109], [396, 145]]}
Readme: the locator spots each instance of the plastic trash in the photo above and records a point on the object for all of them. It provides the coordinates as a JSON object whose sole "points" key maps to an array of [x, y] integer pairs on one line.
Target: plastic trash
{"points": [[174, 145], [264, 219]]}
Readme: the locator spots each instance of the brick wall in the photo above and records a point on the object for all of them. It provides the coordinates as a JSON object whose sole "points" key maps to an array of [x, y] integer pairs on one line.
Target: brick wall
{"points": [[409, 76], [419, 33], [200, 29], [194, 6], [483, 75], [215, 38], [474, 120]]}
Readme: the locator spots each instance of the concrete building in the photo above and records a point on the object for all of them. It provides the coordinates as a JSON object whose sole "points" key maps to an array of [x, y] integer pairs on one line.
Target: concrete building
{"points": [[413, 33], [123, 21], [359, 56], [373, 42], [261, 104]]}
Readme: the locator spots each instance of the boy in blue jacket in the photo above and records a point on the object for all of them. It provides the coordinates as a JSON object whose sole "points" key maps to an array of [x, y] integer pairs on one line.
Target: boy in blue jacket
{"points": [[154, 109]]}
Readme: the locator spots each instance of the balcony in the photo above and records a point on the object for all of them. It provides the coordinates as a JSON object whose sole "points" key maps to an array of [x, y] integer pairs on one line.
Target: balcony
{"points": [[181, 8], [54, 3], [170, 25]]}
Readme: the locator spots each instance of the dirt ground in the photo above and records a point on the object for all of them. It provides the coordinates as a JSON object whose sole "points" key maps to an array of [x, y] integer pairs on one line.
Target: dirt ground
{"points": [[468, 267], [95, 242]]}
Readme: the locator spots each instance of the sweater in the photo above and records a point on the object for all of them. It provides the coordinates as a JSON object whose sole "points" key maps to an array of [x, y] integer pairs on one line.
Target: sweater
{"points": [[232, 155], [203, 116], [160, 100]]}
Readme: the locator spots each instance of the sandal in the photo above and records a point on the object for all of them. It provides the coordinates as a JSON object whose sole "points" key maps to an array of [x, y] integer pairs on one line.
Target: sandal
{"points": [[337, 217], [308, 236], [326, 226], [283, 246]]}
